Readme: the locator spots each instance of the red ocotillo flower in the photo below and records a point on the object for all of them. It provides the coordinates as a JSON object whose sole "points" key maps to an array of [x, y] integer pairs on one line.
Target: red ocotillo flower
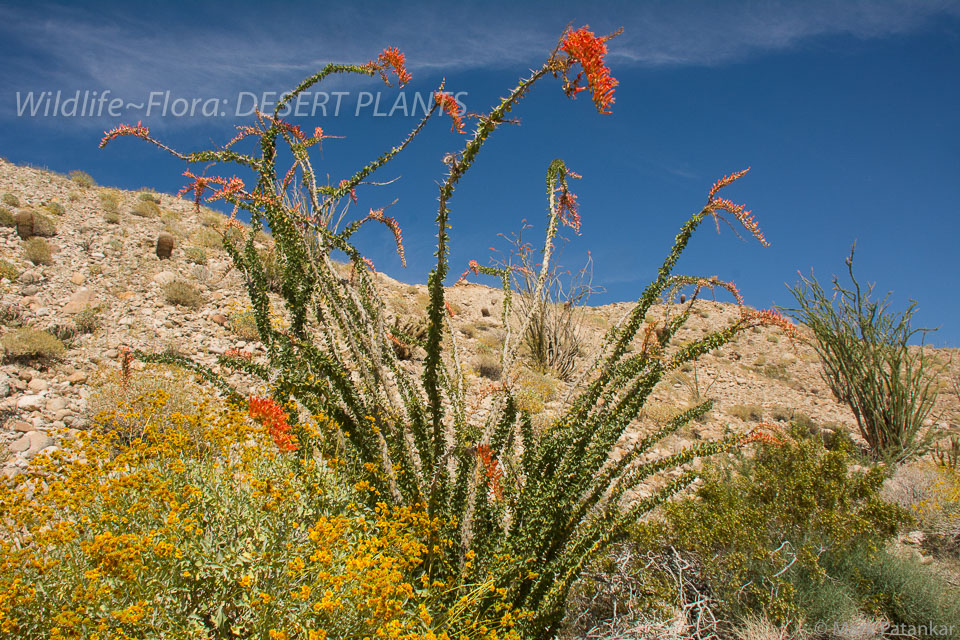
{"points": [[588, 50], [739, 211], [199, 184], [491, 468], [449, 104], [567, 205], [268, 413], [392, 59], [124, 130], [767, 317]]}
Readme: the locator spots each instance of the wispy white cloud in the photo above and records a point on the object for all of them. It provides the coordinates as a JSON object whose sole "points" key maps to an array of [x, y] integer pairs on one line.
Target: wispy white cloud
{"points": [[133, 52]]}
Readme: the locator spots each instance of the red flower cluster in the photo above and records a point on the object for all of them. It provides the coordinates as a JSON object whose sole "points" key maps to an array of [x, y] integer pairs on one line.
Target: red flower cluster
{"points": [[567, 205], [491, 467], [766, 317], [394, 226], [271, 415], [762, 438], [739, 211], [449, 104], [743, 215], [124, 130], [199, 184], [725, 181], [588, 50], [392, 338], [391, 58], [474, 266]]}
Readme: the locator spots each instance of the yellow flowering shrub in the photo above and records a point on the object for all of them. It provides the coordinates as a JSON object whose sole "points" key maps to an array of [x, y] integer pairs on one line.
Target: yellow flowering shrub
{"points": [[202, 528]]}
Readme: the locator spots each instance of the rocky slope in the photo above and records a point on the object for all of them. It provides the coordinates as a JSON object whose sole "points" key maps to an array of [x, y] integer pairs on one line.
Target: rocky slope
{"points": [[107, 265]]}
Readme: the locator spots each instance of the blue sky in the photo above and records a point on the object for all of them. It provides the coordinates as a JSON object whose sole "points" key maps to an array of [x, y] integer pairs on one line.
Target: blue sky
{"points": [[846, 112]]}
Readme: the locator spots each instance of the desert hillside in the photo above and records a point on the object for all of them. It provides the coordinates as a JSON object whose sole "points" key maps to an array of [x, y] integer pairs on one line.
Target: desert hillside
{"points": [[103, 287]]}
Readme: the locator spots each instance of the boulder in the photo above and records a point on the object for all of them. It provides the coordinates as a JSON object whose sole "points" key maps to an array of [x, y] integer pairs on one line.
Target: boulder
{"points": [[79, 301]]}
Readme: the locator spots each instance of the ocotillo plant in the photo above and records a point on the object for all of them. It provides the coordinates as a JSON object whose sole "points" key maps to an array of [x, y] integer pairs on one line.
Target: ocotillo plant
{"points": [[519, 512], [869, 364]]}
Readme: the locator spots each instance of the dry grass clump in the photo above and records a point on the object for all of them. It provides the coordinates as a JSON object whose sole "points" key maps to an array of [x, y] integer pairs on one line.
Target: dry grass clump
{"points": [[7, 219], [82, 179], [207, 238], [10, 200], [146, 209], [195, 255], [55, 208], [30, 343], [746, 412], [9, 271], [488, 366], [109, 200], [182, 293], [37, 251]]}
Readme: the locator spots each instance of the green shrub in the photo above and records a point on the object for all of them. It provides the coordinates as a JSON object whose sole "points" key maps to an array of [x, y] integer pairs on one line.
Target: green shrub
{"points": [[9, 271], [11, 200], [146, 209], [82, 179], [180, 292], [768, 531], [28, 343], [7, 219], [195, 255], [868, 363], [37, 251], [147, 196], [902, 591]]}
